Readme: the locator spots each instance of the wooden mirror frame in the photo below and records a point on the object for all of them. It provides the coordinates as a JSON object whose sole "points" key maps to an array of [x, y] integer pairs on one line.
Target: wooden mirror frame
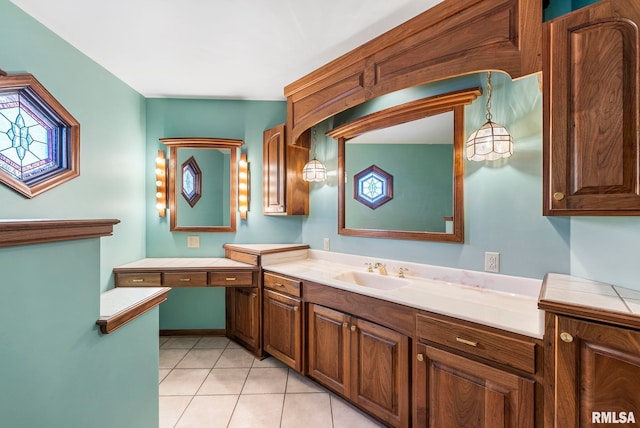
{"points": [[407, 112], [201, 143]]}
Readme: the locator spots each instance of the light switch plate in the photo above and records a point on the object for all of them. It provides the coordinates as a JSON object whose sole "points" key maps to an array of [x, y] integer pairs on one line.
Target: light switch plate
{"points": [[193, 242]]}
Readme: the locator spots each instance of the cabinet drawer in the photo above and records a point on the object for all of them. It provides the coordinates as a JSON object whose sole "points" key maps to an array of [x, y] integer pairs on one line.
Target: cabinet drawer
{"points": [[185, 279], [282, 284], [500, 348], [231, 279], [138, 280]]}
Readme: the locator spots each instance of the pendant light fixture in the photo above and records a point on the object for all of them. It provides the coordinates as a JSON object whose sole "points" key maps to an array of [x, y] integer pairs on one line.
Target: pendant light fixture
{"points": [[491, 141], [314, 170]]}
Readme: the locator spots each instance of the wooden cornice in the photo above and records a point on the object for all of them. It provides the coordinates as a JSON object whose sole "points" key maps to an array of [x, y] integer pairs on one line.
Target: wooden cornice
{"points": [[25, 232]]}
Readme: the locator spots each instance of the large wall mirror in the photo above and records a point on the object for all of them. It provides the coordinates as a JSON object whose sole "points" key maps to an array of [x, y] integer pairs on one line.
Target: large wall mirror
{"points": [[202, 184], [400, 170]]}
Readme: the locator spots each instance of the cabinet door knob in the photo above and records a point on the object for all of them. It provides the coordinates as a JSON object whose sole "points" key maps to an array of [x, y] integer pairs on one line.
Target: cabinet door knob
{"points": [[295, 309], [420, 357], [353, 328], [558, 196], [345, 324], [566, 337]]}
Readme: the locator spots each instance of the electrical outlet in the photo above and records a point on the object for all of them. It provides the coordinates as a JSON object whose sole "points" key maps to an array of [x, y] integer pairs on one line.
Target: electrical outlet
{"points": [[492, 262], [326, 244], [193, 242]]}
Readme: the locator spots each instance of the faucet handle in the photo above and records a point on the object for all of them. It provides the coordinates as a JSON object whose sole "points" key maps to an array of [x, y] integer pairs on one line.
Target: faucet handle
{"points": [[401, 272], [369, 267]]}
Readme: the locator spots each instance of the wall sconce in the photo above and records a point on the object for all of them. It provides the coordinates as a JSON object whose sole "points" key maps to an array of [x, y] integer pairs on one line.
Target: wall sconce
{"points": [[243, 186], [491, 141], [161, 183]]}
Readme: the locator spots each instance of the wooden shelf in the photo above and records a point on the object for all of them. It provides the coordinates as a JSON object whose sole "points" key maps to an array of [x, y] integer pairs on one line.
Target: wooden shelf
{"points": [[122, 305], [23, 232]]}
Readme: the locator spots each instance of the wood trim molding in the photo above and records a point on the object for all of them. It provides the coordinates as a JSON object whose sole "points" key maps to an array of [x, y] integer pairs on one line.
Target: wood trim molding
{"points": [[195, 332], [25, 232]]}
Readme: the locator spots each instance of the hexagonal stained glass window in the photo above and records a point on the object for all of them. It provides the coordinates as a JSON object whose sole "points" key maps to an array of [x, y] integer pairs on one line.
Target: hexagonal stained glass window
{"points": [[191, 181], [39, 139], [373, 187]]}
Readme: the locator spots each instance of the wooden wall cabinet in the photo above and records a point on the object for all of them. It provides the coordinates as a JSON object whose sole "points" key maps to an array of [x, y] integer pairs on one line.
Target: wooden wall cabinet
{"points": [[284, 192], [365, 362], [597, 368], [591, 111], [282, 320]]}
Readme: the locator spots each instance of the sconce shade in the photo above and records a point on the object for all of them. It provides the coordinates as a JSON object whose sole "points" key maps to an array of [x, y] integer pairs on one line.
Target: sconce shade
{"points": [[314, 170], [490, 142]]}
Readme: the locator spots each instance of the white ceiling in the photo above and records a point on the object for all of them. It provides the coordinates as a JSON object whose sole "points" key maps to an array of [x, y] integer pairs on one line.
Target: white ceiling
{"points": [[234, 49]]}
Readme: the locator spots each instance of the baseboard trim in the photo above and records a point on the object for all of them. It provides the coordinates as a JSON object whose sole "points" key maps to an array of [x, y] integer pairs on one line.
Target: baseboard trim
{"points": [[194, 332]]}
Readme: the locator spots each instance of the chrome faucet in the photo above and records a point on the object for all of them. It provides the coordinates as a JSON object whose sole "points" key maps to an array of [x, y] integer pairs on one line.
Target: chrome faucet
{"points": [[381, 268]]}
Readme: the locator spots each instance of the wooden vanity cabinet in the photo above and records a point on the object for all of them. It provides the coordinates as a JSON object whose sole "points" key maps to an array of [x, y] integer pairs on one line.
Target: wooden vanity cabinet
{"points": [[591, 111], [362, 361], [284, 192], [466, 376], [282, 320], [242, 306], [596, 373]]}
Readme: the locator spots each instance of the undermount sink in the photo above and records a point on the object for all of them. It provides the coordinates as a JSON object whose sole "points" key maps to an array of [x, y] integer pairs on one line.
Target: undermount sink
{"points": [[372, 280]]}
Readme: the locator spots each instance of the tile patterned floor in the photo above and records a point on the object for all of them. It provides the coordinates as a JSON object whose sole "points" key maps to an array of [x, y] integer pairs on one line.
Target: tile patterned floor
{"points": [[213, 382]]}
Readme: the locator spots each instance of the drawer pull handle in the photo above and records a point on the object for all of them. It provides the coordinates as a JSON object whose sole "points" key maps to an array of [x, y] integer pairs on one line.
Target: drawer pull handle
{"points": [[185, 279], [137, 280], [230, 278], [420, 357], [279, 284], [566, 337], [466, 342], [254, 295]]}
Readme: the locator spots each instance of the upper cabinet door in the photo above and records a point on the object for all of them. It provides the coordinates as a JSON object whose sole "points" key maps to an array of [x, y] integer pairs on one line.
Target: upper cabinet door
{"points": [[274, 171], [591, 111]]}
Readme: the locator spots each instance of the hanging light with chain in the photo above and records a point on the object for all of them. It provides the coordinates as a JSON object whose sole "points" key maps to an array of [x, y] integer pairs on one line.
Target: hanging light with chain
{"points": [[491, 141], [314, 170]]}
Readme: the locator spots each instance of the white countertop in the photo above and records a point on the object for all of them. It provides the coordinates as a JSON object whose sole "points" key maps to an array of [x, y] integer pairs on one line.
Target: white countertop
{"points": [[183, 263], [501, 301], [117, 300]]}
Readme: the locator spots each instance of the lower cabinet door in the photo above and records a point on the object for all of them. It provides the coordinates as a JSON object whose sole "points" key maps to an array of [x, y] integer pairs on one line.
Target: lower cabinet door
{"points": [[244, 315], [380, 372], [282, 328], [455, 392], [328, 348]]}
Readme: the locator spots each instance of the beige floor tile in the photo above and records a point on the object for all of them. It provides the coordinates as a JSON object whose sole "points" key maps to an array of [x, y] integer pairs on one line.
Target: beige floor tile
{"points": [[181, 342], [257, 411], [183, 381], [297, 383], [162, 373], [234, 345], [224, 381], [208, 411], [233, 358], [162, 339], [266, 381], [215, 342], [346, 416], [171, 409], [200, 359], [170, 357], [268, 362], [307, 410]]}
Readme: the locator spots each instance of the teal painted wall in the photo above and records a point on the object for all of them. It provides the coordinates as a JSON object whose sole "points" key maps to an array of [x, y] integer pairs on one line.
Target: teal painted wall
{"points": [[503, 200], [56, 369], [112, 138], [244, 120]]}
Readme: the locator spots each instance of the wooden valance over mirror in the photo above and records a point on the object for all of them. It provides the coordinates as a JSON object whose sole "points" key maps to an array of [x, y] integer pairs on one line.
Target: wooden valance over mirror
{"points": [[401, 170], [202, 184]]}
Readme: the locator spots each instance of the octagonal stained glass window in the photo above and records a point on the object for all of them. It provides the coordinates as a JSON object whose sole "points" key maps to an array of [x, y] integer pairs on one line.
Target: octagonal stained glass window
{"points": [[39, 139], [373, 187], [191, 181]]}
